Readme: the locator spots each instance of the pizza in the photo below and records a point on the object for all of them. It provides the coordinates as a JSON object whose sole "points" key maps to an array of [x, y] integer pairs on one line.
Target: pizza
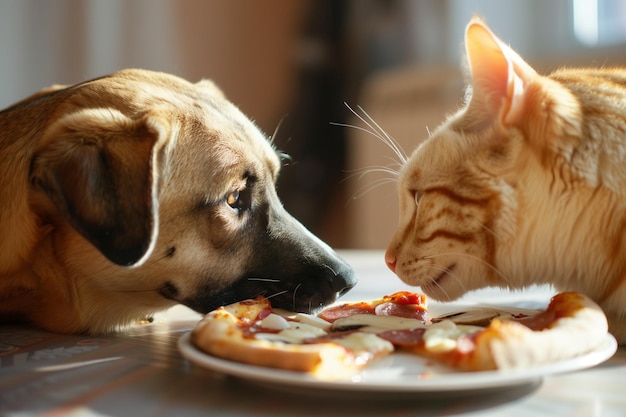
{"points": [[252, 332], [345, 338]]}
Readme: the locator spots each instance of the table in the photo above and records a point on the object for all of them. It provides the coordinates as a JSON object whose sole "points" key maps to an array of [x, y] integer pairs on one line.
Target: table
{"points": [[140, 372]]}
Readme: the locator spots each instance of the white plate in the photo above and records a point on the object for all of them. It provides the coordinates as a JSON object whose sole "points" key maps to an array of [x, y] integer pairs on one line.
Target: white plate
{"points": [[399, 372]]}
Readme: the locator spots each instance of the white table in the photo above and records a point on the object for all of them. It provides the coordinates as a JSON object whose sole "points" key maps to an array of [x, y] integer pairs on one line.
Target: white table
{"points": [[141, 373]]}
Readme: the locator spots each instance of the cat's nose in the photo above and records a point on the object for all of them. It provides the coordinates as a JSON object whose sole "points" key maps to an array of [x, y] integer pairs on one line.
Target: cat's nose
{"points": [[390, 260]]}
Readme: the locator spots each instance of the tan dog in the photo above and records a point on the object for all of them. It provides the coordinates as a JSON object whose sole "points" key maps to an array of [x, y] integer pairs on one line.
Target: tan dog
{"points": [[127, 194]]}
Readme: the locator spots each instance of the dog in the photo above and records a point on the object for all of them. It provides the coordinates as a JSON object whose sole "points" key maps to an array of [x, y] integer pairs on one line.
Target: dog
{"points": [[130, 193]]}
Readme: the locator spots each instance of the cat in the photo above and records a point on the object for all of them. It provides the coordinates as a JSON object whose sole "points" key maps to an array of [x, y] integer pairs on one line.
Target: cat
{"points": [[526, 184]]}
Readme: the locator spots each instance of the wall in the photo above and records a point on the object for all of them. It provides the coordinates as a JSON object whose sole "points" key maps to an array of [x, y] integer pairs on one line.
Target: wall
{"points": [[248, 47]]}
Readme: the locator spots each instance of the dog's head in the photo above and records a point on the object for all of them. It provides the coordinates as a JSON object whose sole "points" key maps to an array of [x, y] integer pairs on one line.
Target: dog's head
{"points": [[155, 191]]}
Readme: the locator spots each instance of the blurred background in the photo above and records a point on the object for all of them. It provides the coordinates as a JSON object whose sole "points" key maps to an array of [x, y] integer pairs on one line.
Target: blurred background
{"points": [[297, 67]]}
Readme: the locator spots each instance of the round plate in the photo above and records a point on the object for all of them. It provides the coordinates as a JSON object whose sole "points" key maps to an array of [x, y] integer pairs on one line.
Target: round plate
{"points": [[399, 372]]}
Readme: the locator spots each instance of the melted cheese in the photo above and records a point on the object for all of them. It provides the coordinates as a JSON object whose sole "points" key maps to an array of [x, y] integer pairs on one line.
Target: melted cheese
{"points": [[438, 337], [274, 322], [375, 324], [295, 332], [443, 336], [365, 342]]}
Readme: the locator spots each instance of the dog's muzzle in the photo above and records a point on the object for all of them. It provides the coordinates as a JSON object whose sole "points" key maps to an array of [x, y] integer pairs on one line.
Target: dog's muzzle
{"points": [[287, 264], [296, 284]]}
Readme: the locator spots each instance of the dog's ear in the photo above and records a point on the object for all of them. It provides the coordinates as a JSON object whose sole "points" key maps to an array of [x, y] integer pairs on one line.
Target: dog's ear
{"points": [[101, 171]]}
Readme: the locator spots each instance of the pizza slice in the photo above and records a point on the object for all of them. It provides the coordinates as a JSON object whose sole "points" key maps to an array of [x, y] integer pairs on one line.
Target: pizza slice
{"points": [[345, 338], [252, 332], [484, 339]]}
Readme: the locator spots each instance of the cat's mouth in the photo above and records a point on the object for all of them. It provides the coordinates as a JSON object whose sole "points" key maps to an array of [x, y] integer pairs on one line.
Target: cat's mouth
{"points": [[434, 288]]}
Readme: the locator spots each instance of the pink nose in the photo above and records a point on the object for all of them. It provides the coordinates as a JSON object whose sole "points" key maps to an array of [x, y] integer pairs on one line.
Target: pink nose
{"points": [[390, 260]]}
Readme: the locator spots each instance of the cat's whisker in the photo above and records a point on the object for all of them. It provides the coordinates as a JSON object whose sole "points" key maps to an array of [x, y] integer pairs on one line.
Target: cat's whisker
{"points": [[371, 186], [487, 229], [391, 177], [474, 258], [448, 271], [374, 129], [375, 134], [451, 274], [391, 142], [360, 173]]}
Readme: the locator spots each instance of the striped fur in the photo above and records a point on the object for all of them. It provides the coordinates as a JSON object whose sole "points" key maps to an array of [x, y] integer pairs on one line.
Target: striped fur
{"points": [[524, 185]]}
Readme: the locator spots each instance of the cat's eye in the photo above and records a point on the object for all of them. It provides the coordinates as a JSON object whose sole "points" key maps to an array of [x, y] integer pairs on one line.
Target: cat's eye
{"points": [[417, 195]]}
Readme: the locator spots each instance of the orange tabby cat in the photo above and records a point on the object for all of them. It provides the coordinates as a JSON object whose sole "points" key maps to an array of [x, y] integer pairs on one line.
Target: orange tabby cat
{"points": [[525, 185]]}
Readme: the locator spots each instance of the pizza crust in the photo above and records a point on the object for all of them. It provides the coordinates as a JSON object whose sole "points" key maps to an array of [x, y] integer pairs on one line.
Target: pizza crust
{"points": [[219, 334], [580, 327], [574, 325]]}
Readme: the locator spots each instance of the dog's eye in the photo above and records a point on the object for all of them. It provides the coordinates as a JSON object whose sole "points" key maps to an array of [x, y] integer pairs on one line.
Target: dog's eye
{"points": [[232, 198], [239, 200], [285, 158]]}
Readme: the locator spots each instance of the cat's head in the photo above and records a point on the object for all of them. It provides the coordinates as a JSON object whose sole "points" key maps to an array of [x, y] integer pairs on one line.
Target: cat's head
{"points": [[479, 199]]}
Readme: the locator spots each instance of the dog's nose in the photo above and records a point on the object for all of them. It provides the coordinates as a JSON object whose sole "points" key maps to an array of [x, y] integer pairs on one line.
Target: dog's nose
{"points": [[344, 280], [344, 290]]}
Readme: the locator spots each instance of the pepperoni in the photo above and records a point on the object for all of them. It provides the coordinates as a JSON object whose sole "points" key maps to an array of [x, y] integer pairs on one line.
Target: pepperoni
{"points": [[404, 338], [249, 332], [406, 297], [412, 311], [540, 321], [264, 313], [346, 310], [400, 304]]}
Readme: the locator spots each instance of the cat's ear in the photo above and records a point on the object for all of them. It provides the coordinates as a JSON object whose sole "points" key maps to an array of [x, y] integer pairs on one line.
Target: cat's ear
{"points": [[499, 75]]}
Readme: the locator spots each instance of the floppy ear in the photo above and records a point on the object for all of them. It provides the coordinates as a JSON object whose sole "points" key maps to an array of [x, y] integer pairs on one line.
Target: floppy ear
{"points": [[499, 75], [100, 170]]}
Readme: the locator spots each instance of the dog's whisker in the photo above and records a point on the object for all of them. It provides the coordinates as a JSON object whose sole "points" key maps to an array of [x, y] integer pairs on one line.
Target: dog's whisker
{"points": [[263, 279], [278, 126], [143, 290], [277, 294], [327, 267], [294, 295]]}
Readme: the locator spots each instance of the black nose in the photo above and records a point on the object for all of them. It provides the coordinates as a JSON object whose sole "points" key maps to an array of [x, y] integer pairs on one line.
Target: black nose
{"points": [[344, 279], [343, 291]]}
